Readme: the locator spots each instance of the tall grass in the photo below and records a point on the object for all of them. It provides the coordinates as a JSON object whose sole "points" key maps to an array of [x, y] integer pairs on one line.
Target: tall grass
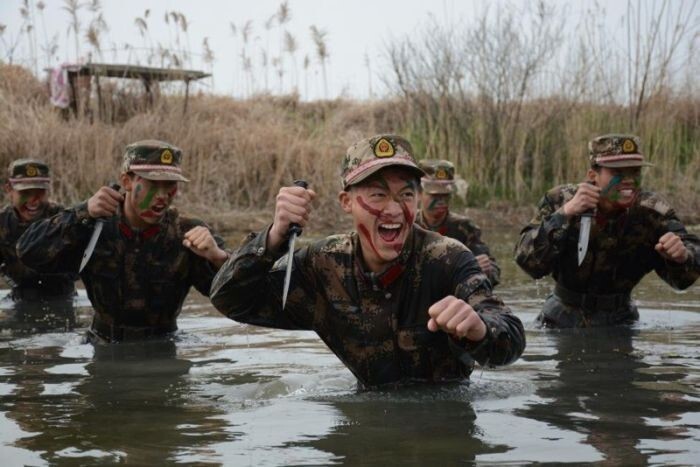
{"points": [[513, 99]]}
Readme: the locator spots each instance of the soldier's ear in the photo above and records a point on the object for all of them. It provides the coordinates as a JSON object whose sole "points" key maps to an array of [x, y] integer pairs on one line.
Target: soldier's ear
{"points": [[7, 187], [125, 180], [345, 201], [591, 175]]}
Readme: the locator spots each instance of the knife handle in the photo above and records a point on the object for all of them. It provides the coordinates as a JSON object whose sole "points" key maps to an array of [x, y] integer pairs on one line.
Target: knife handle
{"points": [[590, 212], [295, 229]]}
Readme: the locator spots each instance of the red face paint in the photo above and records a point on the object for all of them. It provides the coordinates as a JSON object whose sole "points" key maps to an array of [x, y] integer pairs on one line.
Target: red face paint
{"points": [[149, 214], [407, 213], [368, 208], [364, 231]]}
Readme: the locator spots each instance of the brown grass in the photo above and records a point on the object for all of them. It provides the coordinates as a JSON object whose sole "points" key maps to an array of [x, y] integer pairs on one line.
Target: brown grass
{"points": [[238, 153]]}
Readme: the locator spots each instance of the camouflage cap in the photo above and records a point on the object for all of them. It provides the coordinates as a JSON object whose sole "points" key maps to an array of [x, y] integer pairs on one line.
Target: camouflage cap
{"points": [[370, 155], [153, 160], [616, 150], [27, 174], [439, 176]]}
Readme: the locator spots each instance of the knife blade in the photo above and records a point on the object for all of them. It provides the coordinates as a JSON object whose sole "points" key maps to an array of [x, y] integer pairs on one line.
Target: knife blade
{"points": [[99, 224], [294, 232], [584, 235]]}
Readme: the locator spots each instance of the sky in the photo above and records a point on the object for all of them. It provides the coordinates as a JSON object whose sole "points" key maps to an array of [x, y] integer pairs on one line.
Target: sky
{"points": [[357, 35], [357, 32]]}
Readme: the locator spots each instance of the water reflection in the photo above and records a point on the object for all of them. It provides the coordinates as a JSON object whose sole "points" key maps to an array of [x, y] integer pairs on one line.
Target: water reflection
{"points": [[230, 394], [605, 390], [27, 317], [129, 403], [409, 427]]}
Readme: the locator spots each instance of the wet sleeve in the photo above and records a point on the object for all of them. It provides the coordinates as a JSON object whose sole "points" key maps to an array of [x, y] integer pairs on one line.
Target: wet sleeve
{"points": [[56, 244], [505, 336], [248, 287], [202, 272], [542, 240], [478, 247], [679, 275]]}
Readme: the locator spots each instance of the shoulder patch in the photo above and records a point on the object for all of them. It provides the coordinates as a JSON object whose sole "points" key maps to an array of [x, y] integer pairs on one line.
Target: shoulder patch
{"points": [[339, 243], [655, 202], [438, 246]]}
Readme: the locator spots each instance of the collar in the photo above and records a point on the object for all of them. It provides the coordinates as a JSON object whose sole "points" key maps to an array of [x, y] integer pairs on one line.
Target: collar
{"points": [[440, 228], [386, 278], [145, 234]]}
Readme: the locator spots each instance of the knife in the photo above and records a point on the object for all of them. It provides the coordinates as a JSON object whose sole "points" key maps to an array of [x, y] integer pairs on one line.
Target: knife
{"points": [[99, 224], [294, 232], [584, 233]]}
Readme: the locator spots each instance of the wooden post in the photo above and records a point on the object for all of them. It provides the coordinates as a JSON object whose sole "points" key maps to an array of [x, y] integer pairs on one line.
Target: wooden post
{"points": [[73, 93], [187, 95], [99, 96]]}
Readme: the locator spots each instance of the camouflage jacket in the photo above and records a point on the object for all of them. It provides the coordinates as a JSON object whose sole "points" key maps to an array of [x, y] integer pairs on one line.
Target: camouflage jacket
{"points": [[25, 282], [134, 278], [620, 251], [464, 230], [375, 324]]}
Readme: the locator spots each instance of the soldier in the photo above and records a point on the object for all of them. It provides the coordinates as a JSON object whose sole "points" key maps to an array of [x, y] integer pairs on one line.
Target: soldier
{"points": [[147, 256], [40, 301], [394, 302], [436, 189], [633, 232]]}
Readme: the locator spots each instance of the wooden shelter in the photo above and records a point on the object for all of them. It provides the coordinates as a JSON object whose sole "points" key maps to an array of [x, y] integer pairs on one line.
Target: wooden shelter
{"points": [[147, 75]]}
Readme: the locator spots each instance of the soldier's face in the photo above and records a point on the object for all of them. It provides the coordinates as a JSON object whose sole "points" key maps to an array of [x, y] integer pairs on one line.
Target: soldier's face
{"points": [[620, 186], [29, 204], [434, 206], [149, 199], [383, 209]]}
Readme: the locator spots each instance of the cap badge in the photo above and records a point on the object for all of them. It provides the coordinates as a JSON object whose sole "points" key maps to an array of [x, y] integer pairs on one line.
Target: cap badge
{"points": [[384, 148], [166, 157], [31, 171], [628, 146], [441, 174]]}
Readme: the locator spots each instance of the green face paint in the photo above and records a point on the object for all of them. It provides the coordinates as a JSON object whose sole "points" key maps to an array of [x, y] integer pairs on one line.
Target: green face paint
{"points": [[613, 181], [149, 197]]}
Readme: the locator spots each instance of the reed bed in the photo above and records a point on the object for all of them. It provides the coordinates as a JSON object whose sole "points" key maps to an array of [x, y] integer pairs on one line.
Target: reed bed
{"points": [[239, 152]]}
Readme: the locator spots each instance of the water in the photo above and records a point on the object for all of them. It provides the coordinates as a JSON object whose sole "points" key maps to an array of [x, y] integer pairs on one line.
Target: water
{"points": [[223, 393]]}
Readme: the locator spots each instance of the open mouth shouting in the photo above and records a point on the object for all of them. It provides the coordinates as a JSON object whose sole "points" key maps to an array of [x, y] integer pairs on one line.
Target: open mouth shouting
{"points": [[389, 232]]}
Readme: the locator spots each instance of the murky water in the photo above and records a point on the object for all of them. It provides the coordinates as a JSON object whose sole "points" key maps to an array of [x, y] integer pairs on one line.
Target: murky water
{"points": [[228, 394]]}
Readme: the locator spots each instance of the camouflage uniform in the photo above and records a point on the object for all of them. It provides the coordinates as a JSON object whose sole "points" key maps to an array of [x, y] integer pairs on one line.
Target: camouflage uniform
{"points": [[375, 323], [620, 252], [137, 280], [26, 283], [439, 179], [40, 300]]}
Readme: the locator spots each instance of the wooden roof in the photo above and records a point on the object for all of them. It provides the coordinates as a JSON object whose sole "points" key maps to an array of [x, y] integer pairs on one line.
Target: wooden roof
{"points": [[137, 72]]}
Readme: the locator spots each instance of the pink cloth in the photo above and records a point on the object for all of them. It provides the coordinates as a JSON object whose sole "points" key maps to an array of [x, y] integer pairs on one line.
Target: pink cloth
{"points": [[60, 88]]}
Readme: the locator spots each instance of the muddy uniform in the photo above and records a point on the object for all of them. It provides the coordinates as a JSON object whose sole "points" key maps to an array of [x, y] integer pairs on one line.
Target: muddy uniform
{"points": [[620, 253], [26, 283], [375, 324], [136, 280], [464, 230]]}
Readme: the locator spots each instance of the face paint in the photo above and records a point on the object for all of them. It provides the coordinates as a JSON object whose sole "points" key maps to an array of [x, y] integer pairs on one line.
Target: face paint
{"points": [[368, 208], [364, 231], [149, 197], [613, 181], [29, 204], [407, 213], [384, 212], [621, 190], [148, 201]]}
